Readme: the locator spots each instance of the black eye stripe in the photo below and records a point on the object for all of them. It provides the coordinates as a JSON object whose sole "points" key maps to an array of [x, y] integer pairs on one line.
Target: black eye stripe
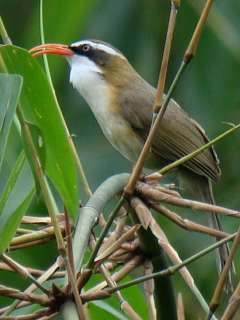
{"points": [[82, 49], [100, 57]]}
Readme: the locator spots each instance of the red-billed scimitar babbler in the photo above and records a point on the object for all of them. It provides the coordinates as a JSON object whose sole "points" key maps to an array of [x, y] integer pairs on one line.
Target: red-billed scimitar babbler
{"points": [[122, 102]]}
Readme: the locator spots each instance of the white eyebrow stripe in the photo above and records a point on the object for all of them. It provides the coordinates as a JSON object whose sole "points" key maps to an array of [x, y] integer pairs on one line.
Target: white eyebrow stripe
{"points": [[99, 46]]}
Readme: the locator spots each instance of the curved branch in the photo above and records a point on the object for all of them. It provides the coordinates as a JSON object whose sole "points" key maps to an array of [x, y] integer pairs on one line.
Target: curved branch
{"points": [[90, 213]]}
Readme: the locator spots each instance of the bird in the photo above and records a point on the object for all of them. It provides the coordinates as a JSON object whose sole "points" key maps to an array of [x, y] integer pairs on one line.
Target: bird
{"points": [[122, 103]]}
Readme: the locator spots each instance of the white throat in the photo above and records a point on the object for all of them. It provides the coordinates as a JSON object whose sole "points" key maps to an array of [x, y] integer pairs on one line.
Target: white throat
{"points": [[87, 78]]}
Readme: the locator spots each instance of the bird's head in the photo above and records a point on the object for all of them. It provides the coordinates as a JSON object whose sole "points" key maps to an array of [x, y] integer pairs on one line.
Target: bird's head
{"points": [[91, 62]]}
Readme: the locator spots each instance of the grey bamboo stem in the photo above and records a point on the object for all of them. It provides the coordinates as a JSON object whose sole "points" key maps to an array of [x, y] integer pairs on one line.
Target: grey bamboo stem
{"points": [[90, 212]]}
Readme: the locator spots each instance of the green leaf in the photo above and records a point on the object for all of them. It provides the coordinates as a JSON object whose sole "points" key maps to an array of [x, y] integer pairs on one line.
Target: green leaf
{"points": [[15, 200], [10, 88], [40, 108], [107, 309]]}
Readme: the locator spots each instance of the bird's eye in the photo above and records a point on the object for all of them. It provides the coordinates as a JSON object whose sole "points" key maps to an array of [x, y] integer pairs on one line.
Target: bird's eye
{"points": [[86, 47]]}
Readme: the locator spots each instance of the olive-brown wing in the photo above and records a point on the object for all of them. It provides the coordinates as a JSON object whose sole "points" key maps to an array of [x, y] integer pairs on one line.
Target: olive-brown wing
{"points": [[178, 134]]}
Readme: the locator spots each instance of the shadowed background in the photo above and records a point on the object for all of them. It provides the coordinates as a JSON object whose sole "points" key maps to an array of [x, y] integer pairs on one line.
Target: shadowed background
{"points": [[209, 91]]}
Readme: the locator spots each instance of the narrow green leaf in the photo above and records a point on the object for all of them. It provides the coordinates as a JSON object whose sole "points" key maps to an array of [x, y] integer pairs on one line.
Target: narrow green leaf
{"points": [[10, 88], [109, 310], [15, 200], [40, 108]]}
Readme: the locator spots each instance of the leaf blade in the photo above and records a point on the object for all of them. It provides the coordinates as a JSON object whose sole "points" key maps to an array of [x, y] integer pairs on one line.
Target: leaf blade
{"points": [[40, 108], [10, 88], [15, 199]]}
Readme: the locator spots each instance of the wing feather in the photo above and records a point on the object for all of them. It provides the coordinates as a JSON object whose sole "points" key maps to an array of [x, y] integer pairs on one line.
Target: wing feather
{"points": [[178, 134]]}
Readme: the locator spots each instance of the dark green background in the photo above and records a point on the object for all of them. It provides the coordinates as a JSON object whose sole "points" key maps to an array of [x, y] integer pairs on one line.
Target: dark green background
{"points": [[209, 91]]}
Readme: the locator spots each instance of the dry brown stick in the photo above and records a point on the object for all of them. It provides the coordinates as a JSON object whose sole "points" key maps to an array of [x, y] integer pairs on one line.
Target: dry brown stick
{"points": [[33, 271], [72, 281], [116, 245], [35, 235], [36, 220], [17, 294], [24, 230], [120, 224], [149, 290], [68, 229], [166, 55], [23, 272], [125, 306], [44, 277], [156, 195], [51, 316], [143, 214], [233, 304], [119, 275], [193, 45], [31, 243], [188, 224], [40, 314], [214, 303], [180, 307], [123, 257], [167, 191], [129, 311], [69, 261], [130, 246]]}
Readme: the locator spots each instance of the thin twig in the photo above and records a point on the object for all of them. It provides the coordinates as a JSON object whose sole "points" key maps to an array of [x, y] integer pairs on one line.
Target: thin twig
{"points": [[17, 294], [188, 224], [180, 307], [150, 193], [40, 220], [125, 306], [77, 298], [35, 235], [149, 291], [23, 272], [193, 45], [117, 276], [165, 59], [233, 304], [116, 245], [222, 27], [116, 234], [44, 277], [68, 229], [39, 314], [33, 271], [215, 300], [32, 243]]}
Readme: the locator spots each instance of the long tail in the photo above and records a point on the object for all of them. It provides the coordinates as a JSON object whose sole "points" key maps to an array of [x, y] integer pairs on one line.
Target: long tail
{"points": [[202, 189]]}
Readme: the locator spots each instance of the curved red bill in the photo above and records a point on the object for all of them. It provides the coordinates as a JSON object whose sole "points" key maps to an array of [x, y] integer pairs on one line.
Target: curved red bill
{"points": [[51, 48]]}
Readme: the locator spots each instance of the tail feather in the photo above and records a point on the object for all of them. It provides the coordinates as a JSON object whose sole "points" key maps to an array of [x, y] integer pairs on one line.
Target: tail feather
{"points": [[202, 189]]}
